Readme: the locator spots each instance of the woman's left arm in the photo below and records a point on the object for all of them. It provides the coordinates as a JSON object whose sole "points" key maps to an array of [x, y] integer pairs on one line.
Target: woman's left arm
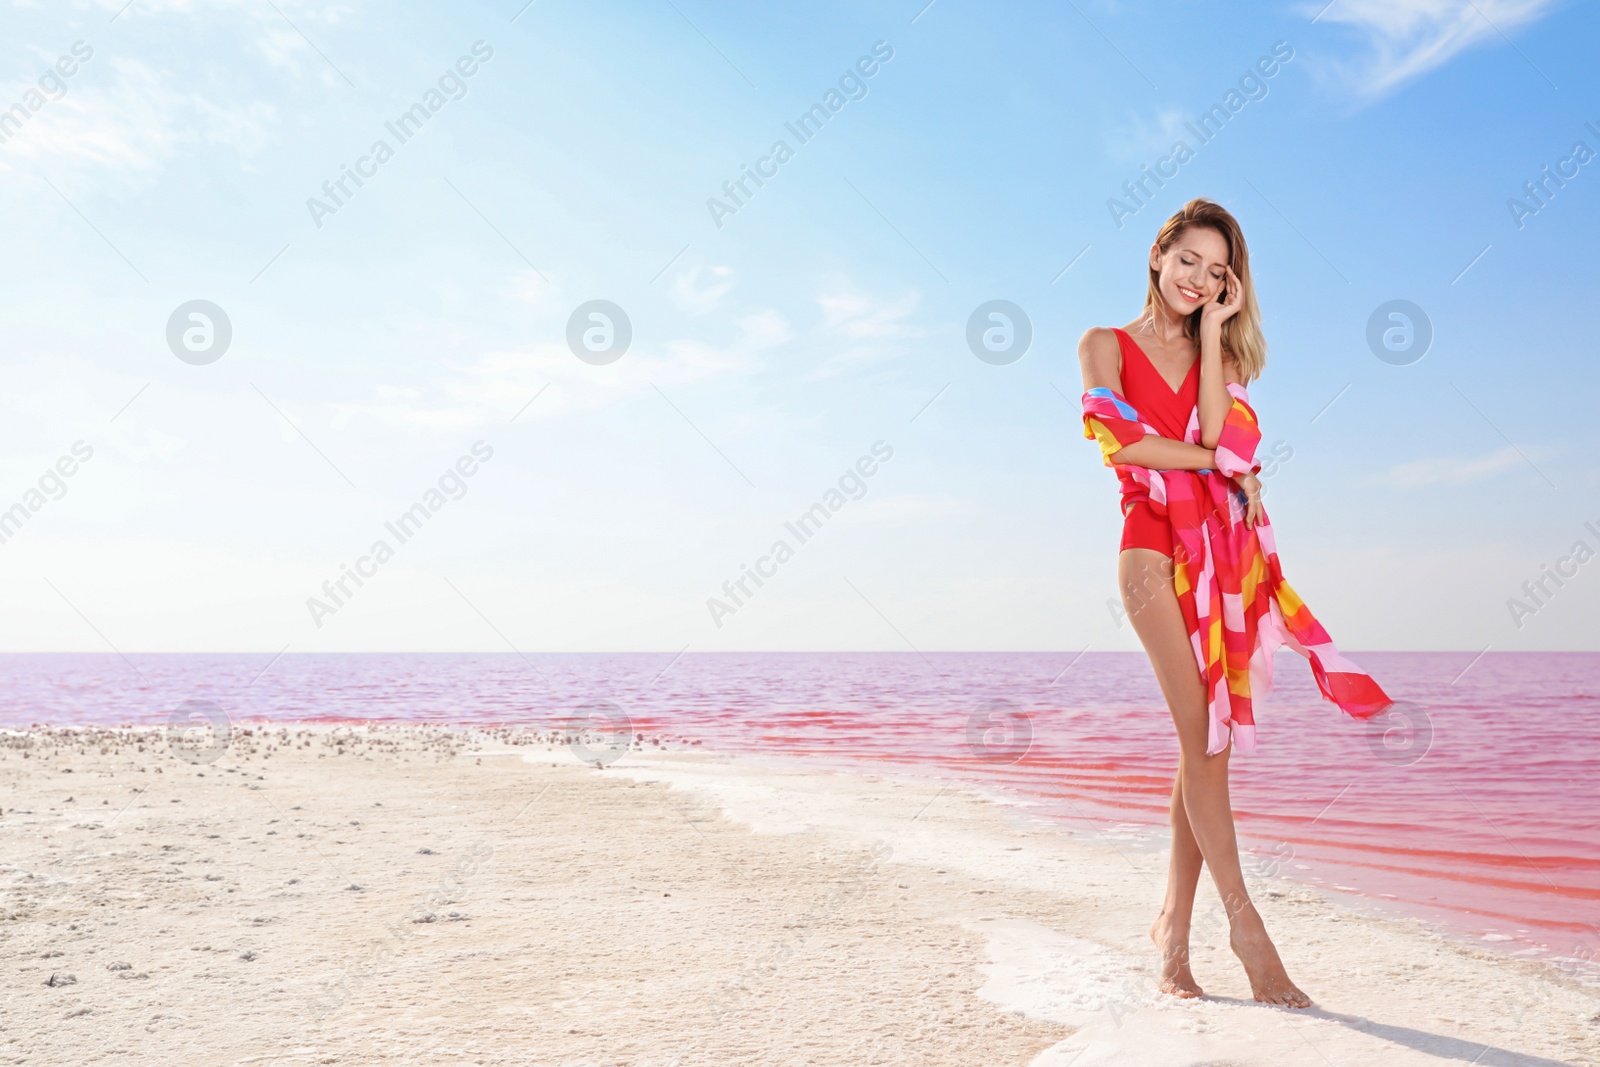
{"points": [[1248, 483], [1215, 371]]}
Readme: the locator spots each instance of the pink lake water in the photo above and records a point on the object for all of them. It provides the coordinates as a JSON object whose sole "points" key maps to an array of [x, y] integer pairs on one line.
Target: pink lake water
{"points": [[1480, 812]]}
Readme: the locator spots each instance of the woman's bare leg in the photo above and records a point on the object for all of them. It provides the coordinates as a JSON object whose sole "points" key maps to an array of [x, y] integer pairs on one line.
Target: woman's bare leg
{"points": [[1170, 931], [1202, 786]]}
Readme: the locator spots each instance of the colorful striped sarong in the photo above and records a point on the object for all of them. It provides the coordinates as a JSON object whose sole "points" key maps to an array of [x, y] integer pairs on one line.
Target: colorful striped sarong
{"points": [[1230, 587]]}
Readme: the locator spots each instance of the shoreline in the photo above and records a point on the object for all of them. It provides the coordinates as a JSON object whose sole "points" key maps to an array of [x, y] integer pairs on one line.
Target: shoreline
{"points": [[1143, 837], [796, 914]]}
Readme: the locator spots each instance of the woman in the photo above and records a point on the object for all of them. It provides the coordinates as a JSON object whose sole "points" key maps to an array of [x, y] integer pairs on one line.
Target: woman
{"points": [[1198, 567]]}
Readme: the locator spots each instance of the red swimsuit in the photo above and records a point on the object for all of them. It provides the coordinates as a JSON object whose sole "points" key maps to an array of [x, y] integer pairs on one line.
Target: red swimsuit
{"points": [[1151, 396]]}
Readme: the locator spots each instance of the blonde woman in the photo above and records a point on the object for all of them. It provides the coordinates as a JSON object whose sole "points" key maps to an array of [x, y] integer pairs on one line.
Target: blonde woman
{"points": [[1198, 568]]}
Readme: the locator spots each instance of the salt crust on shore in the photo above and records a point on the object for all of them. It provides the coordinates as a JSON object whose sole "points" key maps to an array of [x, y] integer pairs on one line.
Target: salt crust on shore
{"points": [[429, 896]]}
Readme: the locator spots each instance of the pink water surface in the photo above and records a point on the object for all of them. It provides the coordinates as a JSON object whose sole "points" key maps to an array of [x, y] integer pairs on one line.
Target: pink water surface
{"points": [[1480, 810]]}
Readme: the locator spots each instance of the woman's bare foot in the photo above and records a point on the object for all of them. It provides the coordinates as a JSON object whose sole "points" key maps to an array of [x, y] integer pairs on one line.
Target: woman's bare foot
{"points": [[1268, 979], [1174, 946]]}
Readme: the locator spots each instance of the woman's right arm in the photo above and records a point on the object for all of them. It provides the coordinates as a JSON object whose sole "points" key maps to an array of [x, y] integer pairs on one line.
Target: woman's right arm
{"points": [[1100, 358]]}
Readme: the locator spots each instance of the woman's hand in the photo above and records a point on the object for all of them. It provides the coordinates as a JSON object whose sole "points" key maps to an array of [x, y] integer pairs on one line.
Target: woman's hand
{"points": [[1226, 304], [1251, 485]]}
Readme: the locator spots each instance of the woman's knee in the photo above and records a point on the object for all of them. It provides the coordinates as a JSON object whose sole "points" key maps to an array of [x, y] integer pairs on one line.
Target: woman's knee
{"points": [[1200, 769]]}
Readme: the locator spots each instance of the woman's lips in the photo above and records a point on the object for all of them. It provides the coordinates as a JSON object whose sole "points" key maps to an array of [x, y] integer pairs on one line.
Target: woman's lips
{"points": [[1191, 295]]}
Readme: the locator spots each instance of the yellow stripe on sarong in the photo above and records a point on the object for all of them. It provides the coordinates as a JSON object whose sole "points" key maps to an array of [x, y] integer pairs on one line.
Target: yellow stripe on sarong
{"points": [[1289, 602], [1253, 577], [1093, 427]]}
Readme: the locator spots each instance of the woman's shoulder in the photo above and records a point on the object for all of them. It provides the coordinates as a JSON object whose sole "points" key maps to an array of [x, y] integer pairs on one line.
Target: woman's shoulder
{"points": [[1100, 339], [1100, 357]]}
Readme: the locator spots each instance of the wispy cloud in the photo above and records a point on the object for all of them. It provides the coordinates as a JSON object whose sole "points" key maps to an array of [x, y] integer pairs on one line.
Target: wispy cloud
{"points": [[1444, 470], [860, 317], [764, 329], [498, 383], [1408, 38], [700, 294], [282, 33], [1140, 137], [120, 138], [859, 328]]}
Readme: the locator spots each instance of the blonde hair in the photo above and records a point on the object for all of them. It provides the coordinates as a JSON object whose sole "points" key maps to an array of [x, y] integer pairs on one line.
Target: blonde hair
{"points": [[1242, 340]]}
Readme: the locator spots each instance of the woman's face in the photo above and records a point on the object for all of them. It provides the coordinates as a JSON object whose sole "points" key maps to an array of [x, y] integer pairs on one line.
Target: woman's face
{"points": [[1191, 272]]}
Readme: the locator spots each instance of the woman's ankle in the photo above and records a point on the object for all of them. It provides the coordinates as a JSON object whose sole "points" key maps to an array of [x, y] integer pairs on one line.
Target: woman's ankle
{"points": [[1237, 902], [1246, 919], [1174, 921]]}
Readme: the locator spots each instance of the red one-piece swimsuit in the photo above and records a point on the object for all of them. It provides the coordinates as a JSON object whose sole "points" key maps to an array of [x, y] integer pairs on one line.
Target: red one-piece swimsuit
{"points": [[1151, 396]]}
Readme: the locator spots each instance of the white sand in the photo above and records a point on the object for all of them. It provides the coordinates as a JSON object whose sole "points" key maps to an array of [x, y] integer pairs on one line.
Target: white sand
{"points": [[677, 908]]}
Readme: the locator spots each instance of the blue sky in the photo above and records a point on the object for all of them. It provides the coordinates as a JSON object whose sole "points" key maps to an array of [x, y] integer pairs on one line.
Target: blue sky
{"points": [[769, 354]]}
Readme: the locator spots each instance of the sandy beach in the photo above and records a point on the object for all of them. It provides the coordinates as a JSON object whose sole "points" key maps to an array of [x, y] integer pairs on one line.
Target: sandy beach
{"points": [[418, 895]]}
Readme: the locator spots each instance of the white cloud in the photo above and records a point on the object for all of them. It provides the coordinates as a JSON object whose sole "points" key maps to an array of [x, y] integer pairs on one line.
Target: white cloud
{"points": [[245, 129], [282, 32], [129, 127], [1448, 470], [1142, 139], [861, 317], [702, 299], [498, 384], [123, 135], [765, 329], [869, 327], [1409, 38], [540, 292]]}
